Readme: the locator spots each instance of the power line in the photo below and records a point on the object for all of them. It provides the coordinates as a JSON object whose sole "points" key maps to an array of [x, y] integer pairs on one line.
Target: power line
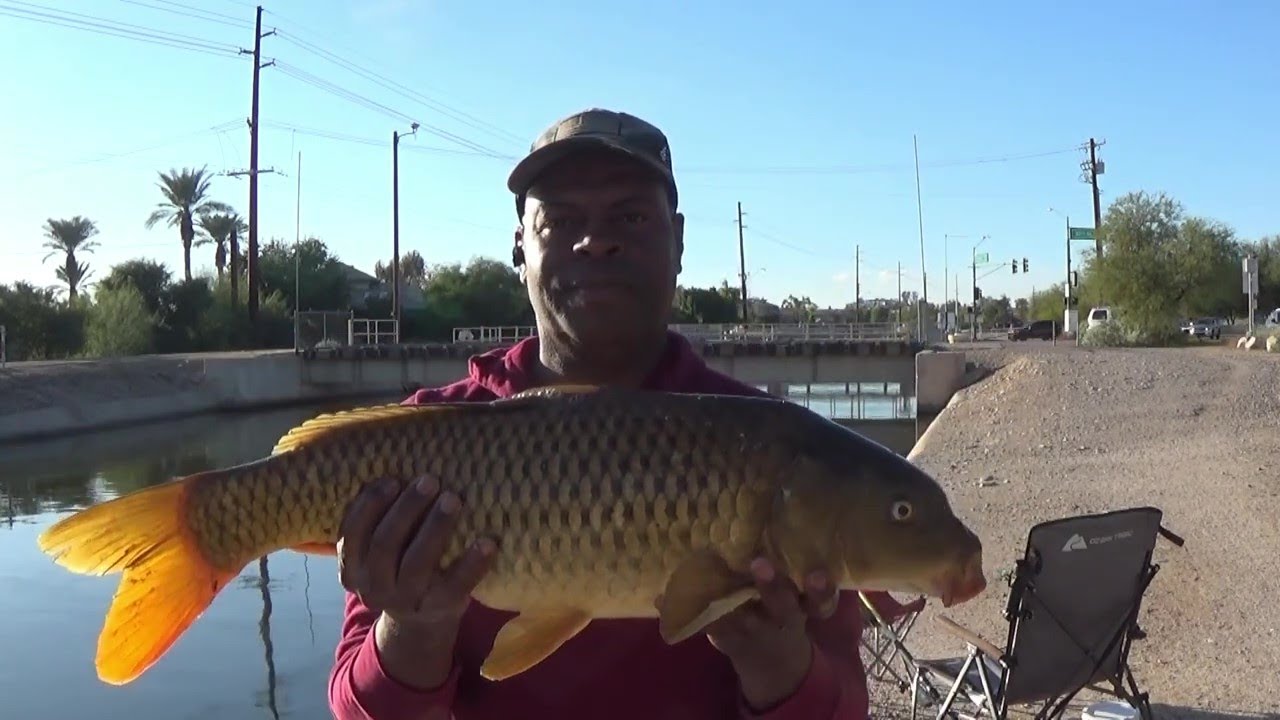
{"points": [[337, 90], [344, 137], [403, 91], [191, 12], [865, 169], [103, 26], [216, 129]]}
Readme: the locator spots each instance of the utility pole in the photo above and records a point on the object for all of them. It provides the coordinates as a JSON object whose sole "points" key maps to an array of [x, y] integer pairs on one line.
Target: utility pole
{"points": [[297, 258], [857, 283], [395, 227], [1094, 171], [742, 265], [899, 297], [946, 273], [973, 314], [252, 255], [924, 275]]}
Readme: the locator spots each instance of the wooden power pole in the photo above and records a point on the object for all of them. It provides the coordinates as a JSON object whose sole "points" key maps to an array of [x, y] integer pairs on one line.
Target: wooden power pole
{"points": [[742, 265], [251, 256]]}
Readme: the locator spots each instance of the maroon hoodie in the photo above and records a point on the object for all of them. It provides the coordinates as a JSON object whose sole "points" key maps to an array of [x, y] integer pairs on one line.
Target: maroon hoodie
{"points": [[614, 669]]}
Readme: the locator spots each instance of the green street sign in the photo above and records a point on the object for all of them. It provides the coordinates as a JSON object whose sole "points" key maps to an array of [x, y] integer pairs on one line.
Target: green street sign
{"points": [[981, 258], [1081, 234]]}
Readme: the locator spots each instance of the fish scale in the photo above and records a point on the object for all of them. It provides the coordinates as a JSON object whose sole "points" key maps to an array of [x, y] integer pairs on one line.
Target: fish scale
{"points": [[603, 503]]}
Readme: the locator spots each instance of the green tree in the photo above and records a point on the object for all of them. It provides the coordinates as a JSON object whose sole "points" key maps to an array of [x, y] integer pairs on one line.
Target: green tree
{"points": [[705, 305], [37, 325], [118, 323], [186, 198], [1157, 264], [66, 238], [150, 278], [413, 269], [218, 228], [322, 281]]}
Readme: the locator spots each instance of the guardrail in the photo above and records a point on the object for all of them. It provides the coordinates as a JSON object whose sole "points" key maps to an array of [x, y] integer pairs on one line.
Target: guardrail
{"points": [[494, 334], [775, 332], [372, 331], [722, 332]]}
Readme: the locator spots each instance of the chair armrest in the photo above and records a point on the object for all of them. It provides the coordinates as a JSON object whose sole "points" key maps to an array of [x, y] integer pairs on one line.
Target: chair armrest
{"points": [[969, 636]]}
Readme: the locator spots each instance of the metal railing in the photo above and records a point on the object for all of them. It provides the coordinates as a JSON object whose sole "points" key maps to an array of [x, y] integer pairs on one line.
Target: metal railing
{"points": [[372, 331], [775, 332], [494, 334], [858, 407], [321, 329], [722, 332]]}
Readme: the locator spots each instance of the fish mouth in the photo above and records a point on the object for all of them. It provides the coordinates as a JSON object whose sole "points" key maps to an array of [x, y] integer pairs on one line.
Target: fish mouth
{"points": [[959, 587]]}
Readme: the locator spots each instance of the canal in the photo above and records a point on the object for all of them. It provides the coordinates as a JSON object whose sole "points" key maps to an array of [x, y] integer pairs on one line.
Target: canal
{"points": [[264, 648]]}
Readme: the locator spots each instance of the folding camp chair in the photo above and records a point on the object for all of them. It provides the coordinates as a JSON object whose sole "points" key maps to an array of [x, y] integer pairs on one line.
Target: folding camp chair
{"points": [[1072, 612], [886, 624]]}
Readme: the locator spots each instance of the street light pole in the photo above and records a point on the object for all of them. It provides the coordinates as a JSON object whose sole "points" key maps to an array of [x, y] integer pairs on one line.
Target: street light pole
{"points": [[395, 227], [973, 315]]}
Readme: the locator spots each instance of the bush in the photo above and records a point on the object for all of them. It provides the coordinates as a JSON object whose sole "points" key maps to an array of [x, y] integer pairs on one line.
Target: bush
{"points": [[225, 325], [1109, 334], [118, 323]]}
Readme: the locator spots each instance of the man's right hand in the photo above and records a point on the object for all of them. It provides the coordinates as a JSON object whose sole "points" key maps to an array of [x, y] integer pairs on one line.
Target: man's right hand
{"points": [[389, 553]]}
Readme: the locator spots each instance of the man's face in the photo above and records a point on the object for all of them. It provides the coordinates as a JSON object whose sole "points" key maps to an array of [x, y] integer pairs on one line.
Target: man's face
{"points": [[602, 247]]}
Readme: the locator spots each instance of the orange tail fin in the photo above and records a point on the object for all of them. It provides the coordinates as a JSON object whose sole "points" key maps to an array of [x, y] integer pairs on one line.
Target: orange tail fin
{"points": [[167, 582]]}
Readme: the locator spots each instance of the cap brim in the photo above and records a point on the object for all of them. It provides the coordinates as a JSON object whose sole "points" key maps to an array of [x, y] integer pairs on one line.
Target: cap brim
{"points": [[527, 171]]}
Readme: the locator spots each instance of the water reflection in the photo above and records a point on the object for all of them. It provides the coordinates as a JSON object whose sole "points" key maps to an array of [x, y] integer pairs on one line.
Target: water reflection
{"points": [[50, 618]]}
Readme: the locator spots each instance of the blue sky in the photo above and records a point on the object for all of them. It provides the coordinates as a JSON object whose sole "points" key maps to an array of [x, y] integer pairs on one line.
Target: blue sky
{"points": [[802, 111]]}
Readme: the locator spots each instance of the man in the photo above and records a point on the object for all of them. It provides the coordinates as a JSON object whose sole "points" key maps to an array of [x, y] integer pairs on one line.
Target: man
{"points": [[599, 247]]}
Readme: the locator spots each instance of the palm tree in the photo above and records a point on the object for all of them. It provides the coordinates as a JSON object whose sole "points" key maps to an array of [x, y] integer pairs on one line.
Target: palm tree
{"points": [[218, 228], [66, 237], [185, 199]]}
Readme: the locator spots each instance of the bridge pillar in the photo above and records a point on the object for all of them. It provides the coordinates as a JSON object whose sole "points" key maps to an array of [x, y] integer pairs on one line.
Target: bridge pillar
{"points": [[938, 376], [776, 387]]}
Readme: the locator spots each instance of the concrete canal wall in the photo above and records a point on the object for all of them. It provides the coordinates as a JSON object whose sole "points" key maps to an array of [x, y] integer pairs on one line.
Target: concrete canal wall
{"points": [[57, 398]]}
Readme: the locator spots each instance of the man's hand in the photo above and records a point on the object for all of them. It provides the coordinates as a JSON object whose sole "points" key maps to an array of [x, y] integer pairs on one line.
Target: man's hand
{"points": [[767, 641], [389, 550]]}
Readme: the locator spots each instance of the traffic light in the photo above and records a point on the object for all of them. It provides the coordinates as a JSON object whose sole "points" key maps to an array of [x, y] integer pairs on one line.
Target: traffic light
{"points": [[1026, 267], [1015, 266]]}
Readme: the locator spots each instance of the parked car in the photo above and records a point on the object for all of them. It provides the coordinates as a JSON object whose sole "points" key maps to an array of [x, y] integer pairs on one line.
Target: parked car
{"points": [[1099, 316], [1039, 329], [1203, 328]]}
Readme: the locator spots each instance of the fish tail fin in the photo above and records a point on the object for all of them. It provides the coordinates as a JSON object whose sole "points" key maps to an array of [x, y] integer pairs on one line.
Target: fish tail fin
{"points": [[167, 581]]}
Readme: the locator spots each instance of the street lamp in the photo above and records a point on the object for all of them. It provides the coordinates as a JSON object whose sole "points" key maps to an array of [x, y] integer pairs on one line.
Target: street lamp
{"points": [[395, 226], [973, 315]]}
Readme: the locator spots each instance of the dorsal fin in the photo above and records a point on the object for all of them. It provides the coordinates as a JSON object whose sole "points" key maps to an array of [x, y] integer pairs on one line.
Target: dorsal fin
{"points": [[321, 425], [553, 390]]}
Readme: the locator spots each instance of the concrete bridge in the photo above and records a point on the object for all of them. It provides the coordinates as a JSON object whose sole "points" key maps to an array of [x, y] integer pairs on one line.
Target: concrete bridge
{"points": [[770, 355], [51, 398]]}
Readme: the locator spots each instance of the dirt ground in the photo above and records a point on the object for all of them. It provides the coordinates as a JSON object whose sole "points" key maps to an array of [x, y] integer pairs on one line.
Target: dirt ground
{"points": [[1194, 431]]}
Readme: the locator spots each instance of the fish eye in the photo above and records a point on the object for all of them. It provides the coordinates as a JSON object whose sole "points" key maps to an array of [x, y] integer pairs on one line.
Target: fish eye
{"points": [[901, 511]]}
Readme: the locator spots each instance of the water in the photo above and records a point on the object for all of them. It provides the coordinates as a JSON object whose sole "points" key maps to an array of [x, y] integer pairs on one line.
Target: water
{"points": [[262, 650]]}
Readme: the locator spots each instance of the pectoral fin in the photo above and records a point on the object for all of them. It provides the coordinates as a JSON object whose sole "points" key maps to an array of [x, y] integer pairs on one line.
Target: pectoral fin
{"points": [[529, 638], [701, 590]]}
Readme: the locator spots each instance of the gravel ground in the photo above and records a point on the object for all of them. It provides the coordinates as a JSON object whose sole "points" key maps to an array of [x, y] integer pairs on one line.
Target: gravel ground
{"points": [[1066, 431]]}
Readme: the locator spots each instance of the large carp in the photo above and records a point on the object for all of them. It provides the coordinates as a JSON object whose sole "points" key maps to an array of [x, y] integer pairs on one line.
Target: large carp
{"points": [[600, 500]]}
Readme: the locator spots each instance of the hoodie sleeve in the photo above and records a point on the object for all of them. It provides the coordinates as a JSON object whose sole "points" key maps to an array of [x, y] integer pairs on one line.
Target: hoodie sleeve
{"points": [[836, 686], [359, 689]]}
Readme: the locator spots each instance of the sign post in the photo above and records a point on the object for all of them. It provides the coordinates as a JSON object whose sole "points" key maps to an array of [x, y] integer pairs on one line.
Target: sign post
{"points": [[1250, 271]]}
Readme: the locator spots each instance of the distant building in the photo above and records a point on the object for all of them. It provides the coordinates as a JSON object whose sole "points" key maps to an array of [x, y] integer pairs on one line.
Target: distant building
{"points": [[363, 288]]}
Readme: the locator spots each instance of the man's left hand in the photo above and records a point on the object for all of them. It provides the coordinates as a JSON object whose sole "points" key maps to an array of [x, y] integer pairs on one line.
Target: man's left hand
{"points": [[766, 640]]}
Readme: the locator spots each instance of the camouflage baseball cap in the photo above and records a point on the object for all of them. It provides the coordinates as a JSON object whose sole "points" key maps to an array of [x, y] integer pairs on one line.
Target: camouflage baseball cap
{"points": [[595, 128]]}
